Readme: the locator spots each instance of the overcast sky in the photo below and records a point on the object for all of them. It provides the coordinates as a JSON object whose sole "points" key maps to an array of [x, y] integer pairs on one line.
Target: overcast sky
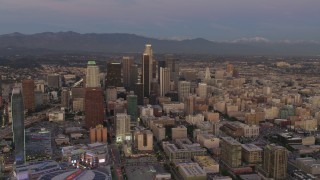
{"points": [[211, 19]]}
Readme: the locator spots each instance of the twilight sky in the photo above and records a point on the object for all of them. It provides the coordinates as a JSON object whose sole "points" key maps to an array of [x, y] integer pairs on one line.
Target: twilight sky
{"points": [[211, 19]]}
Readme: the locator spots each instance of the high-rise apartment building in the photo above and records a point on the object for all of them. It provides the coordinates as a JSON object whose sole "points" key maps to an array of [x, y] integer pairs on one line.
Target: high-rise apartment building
{"points": [[98, 134], [92, 75], [114, 75], [132, 105], [122, 127], [231, 149], [183, 90], [275, 160], [17, 111], [94, 108], [28, 94], [127, 63], [65, 98], [164, 81], [202, 90], [143, 140], [189, 104]]}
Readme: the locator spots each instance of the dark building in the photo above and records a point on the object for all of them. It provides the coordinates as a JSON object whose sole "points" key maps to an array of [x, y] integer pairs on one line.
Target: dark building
{"points": [[114, 77], [94, 108], [127, 63], [17, 111], [53, 80], [146, 74], [173, 95], [133, 76], [173, 64], [132, 106], [139, 92], [28, 94]]}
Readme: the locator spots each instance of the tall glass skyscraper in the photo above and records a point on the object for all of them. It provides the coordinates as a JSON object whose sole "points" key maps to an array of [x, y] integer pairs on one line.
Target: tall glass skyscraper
{"points": [[132, 106], [17, 111]]}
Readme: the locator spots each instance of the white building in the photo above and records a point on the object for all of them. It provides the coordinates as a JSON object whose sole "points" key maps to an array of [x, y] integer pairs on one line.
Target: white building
{"points": [[122, 127], [92, 75], [164, 81]]}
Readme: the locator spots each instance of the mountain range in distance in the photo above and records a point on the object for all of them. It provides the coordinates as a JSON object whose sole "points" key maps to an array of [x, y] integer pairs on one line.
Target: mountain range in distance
{"points": [[72, 42]]}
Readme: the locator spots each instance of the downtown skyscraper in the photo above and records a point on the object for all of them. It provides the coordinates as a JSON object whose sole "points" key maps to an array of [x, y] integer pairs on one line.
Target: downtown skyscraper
{"points": [[17, 111], [92, 75], [147, 68], [164, 81], [28, 94], [127, 63]]}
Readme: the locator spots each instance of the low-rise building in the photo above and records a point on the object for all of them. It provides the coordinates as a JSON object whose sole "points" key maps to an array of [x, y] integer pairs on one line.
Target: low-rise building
{"points": [[309, 165], [191, 171], [179, 132], [208, 140], [208, 164]]}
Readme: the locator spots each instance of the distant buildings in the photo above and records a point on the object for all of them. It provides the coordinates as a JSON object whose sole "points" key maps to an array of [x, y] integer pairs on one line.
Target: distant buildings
{"points": [[17, 111], [183, 90]]}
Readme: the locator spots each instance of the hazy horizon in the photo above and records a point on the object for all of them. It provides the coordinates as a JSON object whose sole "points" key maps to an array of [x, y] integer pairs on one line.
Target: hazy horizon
{"points": [[215, 20]]}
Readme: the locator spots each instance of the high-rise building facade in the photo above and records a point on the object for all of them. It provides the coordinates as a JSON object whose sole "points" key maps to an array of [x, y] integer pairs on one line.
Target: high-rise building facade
{"points": [[231, 152], [28, 94], [173, 64], [98, 134], [147, 69], [189, 104], [146, 74], [122, 127], [92, 75], [275, 160], [65, 98], [127, 63], [164, 81], [132, 105], [17, 111], [94, 108], [133, 77], [202, 90], [183, 90], [139, 92], [114, 75]]}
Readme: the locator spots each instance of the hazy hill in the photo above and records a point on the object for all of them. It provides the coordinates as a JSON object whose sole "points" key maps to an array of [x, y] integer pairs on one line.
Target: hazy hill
{"points": [[122, 43]]}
